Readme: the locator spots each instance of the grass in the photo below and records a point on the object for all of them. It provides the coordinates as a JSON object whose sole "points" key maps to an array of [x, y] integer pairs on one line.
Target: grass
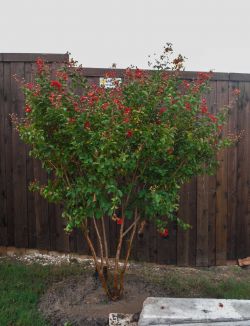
{"points": [[230, 282], [22, 285]]}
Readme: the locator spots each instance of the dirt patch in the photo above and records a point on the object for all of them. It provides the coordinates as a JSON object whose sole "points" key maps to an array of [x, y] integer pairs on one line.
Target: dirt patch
{"points": [[81, 301]]}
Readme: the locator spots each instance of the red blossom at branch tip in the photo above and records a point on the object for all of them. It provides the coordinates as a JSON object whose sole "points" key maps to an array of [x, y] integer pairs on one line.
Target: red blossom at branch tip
{"points": [[56, 84], [40, 65], [212, 118], [126, 120], [129, 133], [188, 106], [105, 106], [127, 110], [138, 73], [164, 233], [27, 109], [87, 125], [71, 120], [162, 110], [29, 86]]}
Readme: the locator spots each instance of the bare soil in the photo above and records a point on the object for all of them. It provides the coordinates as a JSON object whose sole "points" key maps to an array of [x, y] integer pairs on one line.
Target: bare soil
{"points": [[81, 301]]}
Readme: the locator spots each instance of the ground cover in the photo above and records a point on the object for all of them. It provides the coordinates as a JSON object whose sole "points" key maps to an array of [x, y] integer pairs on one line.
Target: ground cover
{"points": [[38, 294]]}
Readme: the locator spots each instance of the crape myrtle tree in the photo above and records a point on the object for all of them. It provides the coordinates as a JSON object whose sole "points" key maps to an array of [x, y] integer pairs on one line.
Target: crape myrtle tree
{"points": [[119, 154]]}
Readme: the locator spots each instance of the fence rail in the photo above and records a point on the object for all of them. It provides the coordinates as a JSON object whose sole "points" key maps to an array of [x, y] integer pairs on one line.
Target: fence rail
{"points": [[217, 207]]}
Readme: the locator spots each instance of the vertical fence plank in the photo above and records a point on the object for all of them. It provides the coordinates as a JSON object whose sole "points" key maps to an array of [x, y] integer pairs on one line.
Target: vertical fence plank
{"points": [[167, 247], [206, 203], [221, 186], [182, 236], [247, 216], [52, 225], [186, 240], [142, 244], [8, 109], [82, 246], [19, 163], [212, 104], [41, 210], [232, 176], [242, 173], [202, 221], [241, 181], [3, 208], [30, 177]]}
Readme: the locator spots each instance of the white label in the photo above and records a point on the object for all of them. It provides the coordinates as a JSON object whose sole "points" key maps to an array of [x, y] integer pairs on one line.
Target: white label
{"points": [[109, 82]]}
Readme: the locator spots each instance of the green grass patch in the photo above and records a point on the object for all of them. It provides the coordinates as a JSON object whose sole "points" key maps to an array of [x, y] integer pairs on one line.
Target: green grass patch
{"points": [[227, 283], [21, 287]]}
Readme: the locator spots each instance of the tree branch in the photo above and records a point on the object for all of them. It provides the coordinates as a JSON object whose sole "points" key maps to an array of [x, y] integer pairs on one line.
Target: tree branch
{"points": [[130, 227], [105, 243], [100, 241]]}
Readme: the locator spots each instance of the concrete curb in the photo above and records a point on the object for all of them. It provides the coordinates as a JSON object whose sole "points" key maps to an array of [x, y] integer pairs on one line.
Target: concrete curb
{"points": [[188, 311]]}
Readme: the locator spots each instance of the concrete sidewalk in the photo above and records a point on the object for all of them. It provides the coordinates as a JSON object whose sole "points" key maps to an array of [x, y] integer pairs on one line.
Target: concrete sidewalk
{"points": [[197, 312]]}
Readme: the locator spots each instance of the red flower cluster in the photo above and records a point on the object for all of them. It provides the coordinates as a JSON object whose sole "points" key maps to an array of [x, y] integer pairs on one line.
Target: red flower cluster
{"points": [[212, 118], [92, 98], [105, 106], [188, 106], [128, 72], [138, 73], [186, 84], [220, 128], [164, 233], [71, 120], [40, 65], [52, 98], [126, 120], [29, 86], [127, 111], [129, 133], [204, 76], [55, 100], [162, 110], [27, 109], [119, 221], [56, 84], [62, 75], [87, 125], [110, 74], [204, 108]]}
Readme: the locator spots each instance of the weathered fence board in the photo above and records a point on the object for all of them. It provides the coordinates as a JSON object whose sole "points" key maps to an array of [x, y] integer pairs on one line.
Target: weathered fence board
{"points": [[217, 207]]}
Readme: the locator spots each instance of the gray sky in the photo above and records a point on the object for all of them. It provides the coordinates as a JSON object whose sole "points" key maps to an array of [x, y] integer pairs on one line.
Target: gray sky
{"points": [[212, 34]]}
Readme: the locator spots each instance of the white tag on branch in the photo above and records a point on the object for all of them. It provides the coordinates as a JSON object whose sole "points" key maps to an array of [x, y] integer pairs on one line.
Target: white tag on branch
{"points": [[109, 82]]}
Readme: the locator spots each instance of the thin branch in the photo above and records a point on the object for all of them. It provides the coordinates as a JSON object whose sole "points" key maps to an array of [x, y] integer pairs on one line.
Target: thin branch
{"points": [[105, 243], [130, 227], [100, 241], [128, 251], [118, 251], [93, 252]]}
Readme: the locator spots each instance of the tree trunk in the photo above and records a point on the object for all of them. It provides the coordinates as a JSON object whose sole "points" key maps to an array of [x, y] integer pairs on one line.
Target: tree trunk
{"points": [[112, 281]]}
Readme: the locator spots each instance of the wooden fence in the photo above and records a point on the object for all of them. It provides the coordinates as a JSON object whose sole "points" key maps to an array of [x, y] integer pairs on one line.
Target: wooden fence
{"points": [[218, 207]]}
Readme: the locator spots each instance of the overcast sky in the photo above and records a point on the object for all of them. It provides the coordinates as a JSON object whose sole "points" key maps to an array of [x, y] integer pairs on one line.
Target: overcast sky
{"points": [[212, 34]]}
